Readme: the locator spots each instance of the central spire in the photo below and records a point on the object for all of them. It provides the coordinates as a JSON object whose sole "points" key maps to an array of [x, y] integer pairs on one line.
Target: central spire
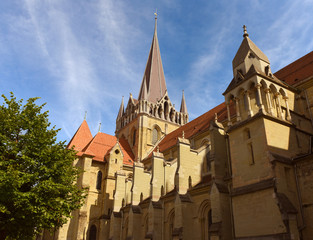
{"points": [[153, 86]]}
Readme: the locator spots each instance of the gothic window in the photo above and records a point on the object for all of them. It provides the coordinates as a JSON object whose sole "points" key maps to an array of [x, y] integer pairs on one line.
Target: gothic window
{"points": [[134, 137], [154, 136], [93, 233], [99, 180]]}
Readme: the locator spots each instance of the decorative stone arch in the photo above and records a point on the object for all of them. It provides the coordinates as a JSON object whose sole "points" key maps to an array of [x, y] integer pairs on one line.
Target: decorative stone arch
{"points": [[282, 92], [160, 111], [156, 134], [92, 234], [273, 88], [264, 84], [205, 142], [205, 218], [169, 223], [172, 115], [166, 110]]}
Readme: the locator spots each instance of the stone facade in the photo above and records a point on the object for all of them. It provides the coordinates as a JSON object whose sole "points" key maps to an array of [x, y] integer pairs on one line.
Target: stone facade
{"points": [[243, 170]]}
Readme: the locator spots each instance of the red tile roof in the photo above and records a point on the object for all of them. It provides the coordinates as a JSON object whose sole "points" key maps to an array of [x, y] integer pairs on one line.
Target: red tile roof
{"points": [[297, 71], [195, 126], [127, 151], [100, 145], [81, 138]]}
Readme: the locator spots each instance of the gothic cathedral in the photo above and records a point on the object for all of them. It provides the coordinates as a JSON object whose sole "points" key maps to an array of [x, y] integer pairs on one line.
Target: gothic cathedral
{"points": [[242, 170]]}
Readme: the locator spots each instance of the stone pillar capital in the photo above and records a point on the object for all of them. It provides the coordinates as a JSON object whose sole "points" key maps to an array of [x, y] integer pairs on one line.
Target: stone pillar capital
{"points": [[258, 85]]}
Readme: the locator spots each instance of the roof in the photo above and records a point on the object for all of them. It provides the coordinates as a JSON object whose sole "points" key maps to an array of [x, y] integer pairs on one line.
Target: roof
{"points": [[195, 126], [153, 86], [243, 50], [100, 145], [297, 71], [81, 138]]}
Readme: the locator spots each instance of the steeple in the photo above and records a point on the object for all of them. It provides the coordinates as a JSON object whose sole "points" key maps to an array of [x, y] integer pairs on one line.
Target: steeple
{"points": [[153, 78], [183, 107], [121, 111], [247, 46]]}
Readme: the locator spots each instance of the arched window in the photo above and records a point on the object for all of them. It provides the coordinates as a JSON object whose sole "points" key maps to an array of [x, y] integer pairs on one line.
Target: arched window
{"points": [[99, 180], [154, 136], [93, 233]]}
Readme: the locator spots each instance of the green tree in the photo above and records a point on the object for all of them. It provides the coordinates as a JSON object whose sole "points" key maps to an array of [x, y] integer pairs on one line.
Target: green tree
{"points": [[37, 177]]}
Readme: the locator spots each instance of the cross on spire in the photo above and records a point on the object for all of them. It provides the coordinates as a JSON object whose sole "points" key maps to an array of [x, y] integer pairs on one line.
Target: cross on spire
{"points": [[245, 33]]}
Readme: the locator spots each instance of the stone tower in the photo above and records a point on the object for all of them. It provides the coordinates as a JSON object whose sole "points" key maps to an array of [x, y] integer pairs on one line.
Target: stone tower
{"points": [[146, 120]]}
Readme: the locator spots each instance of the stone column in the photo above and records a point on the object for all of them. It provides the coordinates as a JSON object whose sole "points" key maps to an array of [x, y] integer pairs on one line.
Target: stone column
{"points": [[277, 97], [269, 102], [247, 95], [258, 87], [288, 117], [228, 114], [237, 108]]}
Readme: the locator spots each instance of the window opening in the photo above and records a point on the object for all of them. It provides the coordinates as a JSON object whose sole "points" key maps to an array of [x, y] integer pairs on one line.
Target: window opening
{"points": [[99, 180]]}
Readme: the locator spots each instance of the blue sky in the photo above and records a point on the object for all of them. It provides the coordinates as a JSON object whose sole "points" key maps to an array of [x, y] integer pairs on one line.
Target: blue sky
{"points": [[85, 55]]}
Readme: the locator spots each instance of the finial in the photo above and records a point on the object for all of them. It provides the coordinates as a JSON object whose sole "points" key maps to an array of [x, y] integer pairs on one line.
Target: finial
{"points": [[215, 117], [183, 134], [117, 140], [156, 14], [99, 127], [158, 149], [85, 115], [245, 33]]}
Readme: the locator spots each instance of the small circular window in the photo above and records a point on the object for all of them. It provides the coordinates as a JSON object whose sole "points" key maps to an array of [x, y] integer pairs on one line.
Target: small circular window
{"points": [[117, 151]]}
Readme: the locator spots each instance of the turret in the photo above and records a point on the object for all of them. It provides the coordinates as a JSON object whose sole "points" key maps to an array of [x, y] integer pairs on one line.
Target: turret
{"points": [[254, 88]]}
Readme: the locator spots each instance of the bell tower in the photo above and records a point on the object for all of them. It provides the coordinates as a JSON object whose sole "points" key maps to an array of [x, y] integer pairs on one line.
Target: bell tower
{"points": [[146, 120]]}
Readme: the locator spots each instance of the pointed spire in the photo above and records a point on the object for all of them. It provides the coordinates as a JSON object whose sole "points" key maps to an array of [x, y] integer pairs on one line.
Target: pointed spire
{"points": [[121, 111], [154, 75], [183, 107], [246, 46]]}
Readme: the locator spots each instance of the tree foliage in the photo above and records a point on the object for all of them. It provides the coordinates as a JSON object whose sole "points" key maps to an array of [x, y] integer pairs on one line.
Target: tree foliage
{"points": [[37, 177]]}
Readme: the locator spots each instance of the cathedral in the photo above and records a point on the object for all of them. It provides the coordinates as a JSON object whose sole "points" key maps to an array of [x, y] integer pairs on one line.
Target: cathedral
{"points": [[242, 170]]}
